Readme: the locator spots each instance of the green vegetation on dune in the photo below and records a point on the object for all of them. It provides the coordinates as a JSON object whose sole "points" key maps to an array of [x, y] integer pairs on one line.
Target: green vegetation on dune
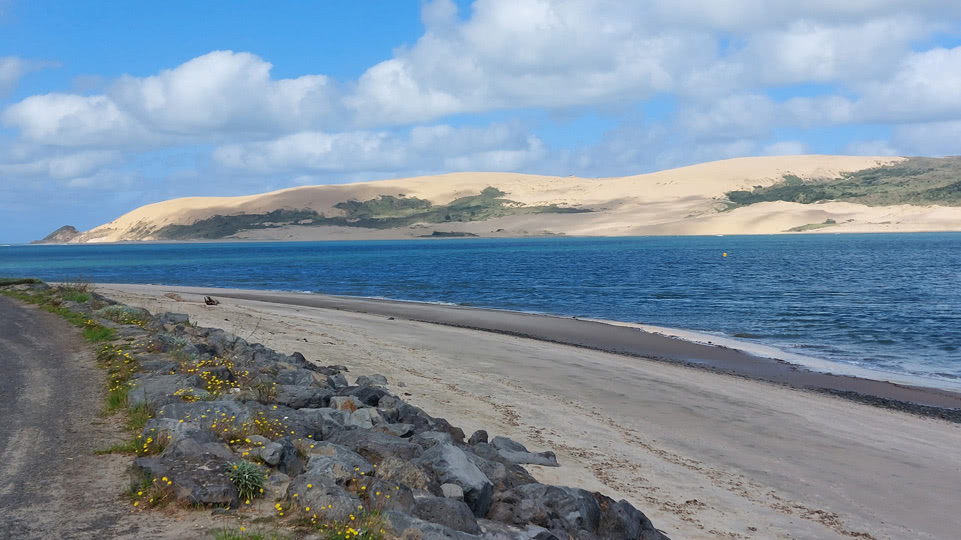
{"points": [[916, 181], [383, 212], [813, 226]]}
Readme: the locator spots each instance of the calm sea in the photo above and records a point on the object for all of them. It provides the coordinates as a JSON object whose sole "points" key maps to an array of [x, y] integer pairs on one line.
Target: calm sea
{"points": [[890, 302]]}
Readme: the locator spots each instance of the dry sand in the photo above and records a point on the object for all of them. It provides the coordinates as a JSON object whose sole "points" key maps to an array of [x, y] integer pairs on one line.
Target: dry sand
{"points": [[677, 201], [705, 455]]}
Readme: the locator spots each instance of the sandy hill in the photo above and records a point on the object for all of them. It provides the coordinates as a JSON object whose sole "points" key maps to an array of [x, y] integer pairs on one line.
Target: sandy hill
{"points": [[758, 195]]}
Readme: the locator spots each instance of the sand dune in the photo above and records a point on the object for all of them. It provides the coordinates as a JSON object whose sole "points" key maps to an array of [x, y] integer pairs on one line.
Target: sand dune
{"points": [[677, 201]]}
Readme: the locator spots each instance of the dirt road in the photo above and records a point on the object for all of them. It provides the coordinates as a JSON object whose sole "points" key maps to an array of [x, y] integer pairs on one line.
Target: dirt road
{"points": [[52, 484]]}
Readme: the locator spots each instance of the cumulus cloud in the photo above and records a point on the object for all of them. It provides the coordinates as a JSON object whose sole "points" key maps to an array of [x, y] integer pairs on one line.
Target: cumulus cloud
{"points": [[31, 162], [431, 148]]}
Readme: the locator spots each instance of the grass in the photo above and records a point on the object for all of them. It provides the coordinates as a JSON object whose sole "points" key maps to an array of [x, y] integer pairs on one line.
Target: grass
{"points": [[814, 226], [915, 181], [248, 478], [383, 212], [243, 534], [9, 282]]}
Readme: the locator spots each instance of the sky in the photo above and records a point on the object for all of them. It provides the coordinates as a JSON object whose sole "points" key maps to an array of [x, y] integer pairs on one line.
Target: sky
{"points": [[106, 106]]}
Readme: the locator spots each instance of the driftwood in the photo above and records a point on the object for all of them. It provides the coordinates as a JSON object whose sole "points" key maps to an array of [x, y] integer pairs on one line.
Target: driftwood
{"points": [[210, 301]]}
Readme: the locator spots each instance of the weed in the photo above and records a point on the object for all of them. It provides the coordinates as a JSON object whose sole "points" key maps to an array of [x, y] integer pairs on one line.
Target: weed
{"points": [[127, 447], [247, 478], [7, 282]]}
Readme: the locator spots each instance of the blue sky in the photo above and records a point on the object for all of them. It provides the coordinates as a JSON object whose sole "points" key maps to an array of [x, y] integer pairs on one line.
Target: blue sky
{"points": [[107, 106]]}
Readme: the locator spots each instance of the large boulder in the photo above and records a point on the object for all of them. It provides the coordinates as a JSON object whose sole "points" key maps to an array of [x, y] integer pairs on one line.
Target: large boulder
{"points": [[447, 512], [516, 453], [403, 472], [283, 455], [200, 480], [375, 446], [157, 390], [560, 509], [451, 465], [336, 463], [503, 476], [300, 397], [408, 527], [185, 439], [324, 498]]}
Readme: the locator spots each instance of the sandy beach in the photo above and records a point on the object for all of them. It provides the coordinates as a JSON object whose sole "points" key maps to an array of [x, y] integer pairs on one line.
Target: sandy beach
{"points": [[736, 451]]}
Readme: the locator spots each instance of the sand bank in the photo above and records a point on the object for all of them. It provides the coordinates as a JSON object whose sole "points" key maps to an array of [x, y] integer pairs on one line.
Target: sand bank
{"points": [[703, 453]]}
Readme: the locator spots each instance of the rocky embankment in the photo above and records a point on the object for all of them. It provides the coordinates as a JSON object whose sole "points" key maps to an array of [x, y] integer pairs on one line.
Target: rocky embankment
{"points": [[328, 452]]}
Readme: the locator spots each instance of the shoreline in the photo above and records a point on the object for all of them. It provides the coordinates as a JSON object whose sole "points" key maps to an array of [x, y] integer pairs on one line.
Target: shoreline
{"points": [[626, 339]]}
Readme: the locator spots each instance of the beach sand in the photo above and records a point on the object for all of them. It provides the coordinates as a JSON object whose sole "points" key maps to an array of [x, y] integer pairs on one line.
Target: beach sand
{"points": [[703, 453]]}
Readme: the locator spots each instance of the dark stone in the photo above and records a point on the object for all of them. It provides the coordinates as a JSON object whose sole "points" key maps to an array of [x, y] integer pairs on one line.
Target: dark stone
{"points": [[504, 476], [447, 512], [409, 527], [568, 510], [621, 520], [337, 381], [403, 472], [338, 464], [300, 397], [515, 452], [195, 481], [324, 498], [479, 436], [451, 465], [375, 446]]}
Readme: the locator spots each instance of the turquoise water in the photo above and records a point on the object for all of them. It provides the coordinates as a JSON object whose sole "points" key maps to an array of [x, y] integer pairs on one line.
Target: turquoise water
{"points": [[889, 302]]}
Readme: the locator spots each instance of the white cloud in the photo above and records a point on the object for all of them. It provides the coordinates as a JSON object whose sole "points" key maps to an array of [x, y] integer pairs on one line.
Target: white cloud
{"points": [[34, 162], [929, 139], [11, 69], [436, 148]]}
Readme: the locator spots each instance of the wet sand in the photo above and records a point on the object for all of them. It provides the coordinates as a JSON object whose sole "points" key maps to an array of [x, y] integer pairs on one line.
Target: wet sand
{"points": [[703, 453]]}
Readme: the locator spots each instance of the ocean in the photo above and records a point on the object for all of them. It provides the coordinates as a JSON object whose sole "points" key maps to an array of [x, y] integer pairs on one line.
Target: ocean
{"points": [[888, 302]]}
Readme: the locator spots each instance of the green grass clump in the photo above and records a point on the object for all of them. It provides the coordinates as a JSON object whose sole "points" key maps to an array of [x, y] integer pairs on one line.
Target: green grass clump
{"points": [[9, 282], [248, 478], [127, 447], [98, 333]]}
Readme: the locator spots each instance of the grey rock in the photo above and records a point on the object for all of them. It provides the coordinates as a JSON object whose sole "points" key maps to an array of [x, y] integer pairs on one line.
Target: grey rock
{"points": [[158, 390], [275, 485], [337, 381], [375, 446], [567, 510], [621, 520], [336, 463], [324, 498], [195, 481], [429, 439], [324, 421], [403, 472], [383, 496], [283, 454], [174, 318], [452, 491], [504, 475], [185, 439], [370, 396], [300, 397], [365, 418], [479, 436], [447, 512], [346, 403], [398, 430], [295, 377], [410, 528], [516, 453], [373, 380], [451, 465]]}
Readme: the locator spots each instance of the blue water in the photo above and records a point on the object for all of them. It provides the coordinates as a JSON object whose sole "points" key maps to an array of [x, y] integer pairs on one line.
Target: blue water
{"points": [[887, 302]]}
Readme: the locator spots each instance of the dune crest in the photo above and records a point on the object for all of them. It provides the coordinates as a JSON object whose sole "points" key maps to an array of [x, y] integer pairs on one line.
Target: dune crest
{"points": [[688, 200]]}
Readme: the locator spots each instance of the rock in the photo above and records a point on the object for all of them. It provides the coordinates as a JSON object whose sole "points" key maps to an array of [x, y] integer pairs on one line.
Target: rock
{"points": [[324, 421], [373, 380], [158, 390], [400, 471], [447, 512], [336, 463], [337, 381], [411, 528], [451, 465], [452, 491], [429, 439], [346, 403], [295, 377], [283, 454], [200, 481], [325, 499], [621, 520], [175, 319], [275, 485], [504, 476], [383, 496], [560, 509], [369, 396], [398, 430], [185, 439], [516, 453], [375, 446], [479, 436], [300, 397], [365, 418]]}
